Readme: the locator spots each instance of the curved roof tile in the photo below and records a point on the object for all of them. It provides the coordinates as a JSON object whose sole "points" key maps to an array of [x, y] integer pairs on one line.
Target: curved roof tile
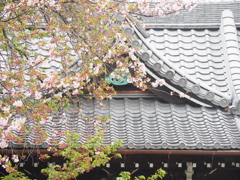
{"points": [[207, 15], [208, 59], [147, 123], [175, 66]]}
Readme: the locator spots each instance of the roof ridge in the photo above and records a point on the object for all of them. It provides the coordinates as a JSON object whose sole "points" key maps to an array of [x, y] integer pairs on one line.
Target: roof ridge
{"points": [[232, 56]]}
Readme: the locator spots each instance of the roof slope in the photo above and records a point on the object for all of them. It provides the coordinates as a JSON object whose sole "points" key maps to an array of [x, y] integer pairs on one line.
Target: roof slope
{"points": [[197, 53], [203, 62], [147, 123], [206, 14], [42, 49]]}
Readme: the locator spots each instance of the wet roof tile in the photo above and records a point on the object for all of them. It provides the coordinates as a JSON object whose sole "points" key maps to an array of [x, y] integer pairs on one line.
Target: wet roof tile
{"points": [[207, 14], [149, 123]]}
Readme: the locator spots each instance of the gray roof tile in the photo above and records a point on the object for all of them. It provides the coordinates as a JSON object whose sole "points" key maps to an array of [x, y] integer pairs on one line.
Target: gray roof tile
{"points": [[207, 58], [232, 53], [148, 123], [35, 47], [205, 13], [197, 53]]}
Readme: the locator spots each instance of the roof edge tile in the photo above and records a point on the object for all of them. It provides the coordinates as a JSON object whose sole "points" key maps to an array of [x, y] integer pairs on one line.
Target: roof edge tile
{"points": [[178, 74], [232, 57]]}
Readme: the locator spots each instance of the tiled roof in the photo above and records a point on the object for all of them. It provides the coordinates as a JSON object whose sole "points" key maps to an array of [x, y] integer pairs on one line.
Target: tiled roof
{"points": [[147, 123], [36, 48], [199, 61], [207, 14], [205, 62], [196, 52]]}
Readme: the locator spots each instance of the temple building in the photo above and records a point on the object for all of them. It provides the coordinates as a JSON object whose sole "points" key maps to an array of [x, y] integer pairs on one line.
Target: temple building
{"points": [[197, 137]]}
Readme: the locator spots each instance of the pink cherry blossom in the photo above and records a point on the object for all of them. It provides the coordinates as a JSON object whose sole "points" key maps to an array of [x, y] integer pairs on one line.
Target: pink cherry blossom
{"points": [[161, 82], [38, 95], [27, 94], [142, 69], [154, 84], [18, 103], [43, 121], [32, 2], [76, 84], [15, 158], [45, 67], [182, 95], [3, 122], [132, 55], [65, 85], [9, 7], [17, 124], [4, 77], [75, 92], [3, 143], [6, 109]]}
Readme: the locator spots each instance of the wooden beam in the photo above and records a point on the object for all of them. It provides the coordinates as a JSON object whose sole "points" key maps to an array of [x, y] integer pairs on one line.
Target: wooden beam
{"points": [[131, 151]]}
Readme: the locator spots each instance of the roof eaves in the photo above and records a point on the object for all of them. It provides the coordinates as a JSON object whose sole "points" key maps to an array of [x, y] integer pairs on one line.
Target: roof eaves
{"points": [[176, 90], [144, 123]]}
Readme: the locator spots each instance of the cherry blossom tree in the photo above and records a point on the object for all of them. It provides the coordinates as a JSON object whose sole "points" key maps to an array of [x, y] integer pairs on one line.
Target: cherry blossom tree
{"points": [[53, 53]]}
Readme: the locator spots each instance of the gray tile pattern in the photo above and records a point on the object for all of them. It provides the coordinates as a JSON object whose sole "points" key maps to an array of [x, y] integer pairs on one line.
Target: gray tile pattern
{"points": [[207, 14], [147, 123], [232, 53], [197, 53], [189, 55], [203, 61], [38, 51]]}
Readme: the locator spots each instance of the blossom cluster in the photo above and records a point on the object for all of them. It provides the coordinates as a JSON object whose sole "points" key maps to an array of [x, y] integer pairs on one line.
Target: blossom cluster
{"points": [[159, 82], [6, 163], [158, 8], [35, 3]]}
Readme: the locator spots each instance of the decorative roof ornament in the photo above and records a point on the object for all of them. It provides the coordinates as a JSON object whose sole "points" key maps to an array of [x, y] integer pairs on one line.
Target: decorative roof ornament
{"points": [[119, 17], [182, 82], [182, 145], [147, 145], [164, 145], [136, 43], [130, 145], [209, 96], [196, 89], [217, 145], [170, 74], [158, 66], [146, 55], [235, 107], [116, 78], [234, 145], [224, 102], [128, 31], [199, 145]]}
